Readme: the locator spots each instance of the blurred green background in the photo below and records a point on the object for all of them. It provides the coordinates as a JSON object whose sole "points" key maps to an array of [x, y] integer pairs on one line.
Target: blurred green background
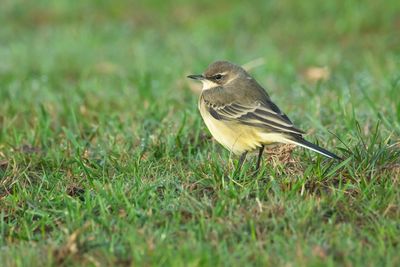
{"points": [[104, 159], [143, 50]]}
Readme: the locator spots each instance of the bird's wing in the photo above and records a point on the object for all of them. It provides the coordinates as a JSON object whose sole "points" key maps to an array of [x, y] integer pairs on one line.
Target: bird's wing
{"points": [[264, 115]]}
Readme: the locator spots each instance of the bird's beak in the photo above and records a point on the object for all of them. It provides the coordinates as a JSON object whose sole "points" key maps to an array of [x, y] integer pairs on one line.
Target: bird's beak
{"points": [[196, 77]]}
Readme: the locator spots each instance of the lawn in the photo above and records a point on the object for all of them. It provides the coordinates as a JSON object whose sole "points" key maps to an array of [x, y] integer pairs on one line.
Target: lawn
{"points": [[105, 160]]}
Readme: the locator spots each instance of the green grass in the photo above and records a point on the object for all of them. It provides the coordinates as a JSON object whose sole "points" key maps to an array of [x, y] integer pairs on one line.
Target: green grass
{"points": [[104, 159]]}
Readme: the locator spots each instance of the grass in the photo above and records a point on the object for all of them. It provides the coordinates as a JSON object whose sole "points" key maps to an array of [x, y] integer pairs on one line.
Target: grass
{"points": [[104, 159]]}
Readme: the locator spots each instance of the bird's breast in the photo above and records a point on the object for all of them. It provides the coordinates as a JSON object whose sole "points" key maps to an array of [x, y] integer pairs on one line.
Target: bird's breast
{"points": [[237, 138]]}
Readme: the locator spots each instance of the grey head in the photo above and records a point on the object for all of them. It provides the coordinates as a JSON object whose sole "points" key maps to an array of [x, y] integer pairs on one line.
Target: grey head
{"points": [[220, 73], [230, 83]]}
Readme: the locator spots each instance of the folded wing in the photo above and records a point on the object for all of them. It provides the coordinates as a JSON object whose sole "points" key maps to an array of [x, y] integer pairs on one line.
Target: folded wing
{"points": [[262, 115]]}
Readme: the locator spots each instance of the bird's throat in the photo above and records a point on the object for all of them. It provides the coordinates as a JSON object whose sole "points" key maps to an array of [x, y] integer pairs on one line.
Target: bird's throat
{"points": [[207, 84]]}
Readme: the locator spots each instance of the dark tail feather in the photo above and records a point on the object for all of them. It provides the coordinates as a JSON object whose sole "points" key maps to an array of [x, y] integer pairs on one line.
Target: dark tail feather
{"points": [[301, 142]]}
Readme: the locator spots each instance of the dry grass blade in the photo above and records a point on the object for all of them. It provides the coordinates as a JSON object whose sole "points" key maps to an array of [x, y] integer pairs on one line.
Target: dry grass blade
{"points": [[254, 64], [71, 247]]}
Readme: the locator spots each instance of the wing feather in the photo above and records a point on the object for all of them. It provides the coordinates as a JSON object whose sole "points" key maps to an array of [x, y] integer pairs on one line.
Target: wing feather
{"points": [[262, 115]]}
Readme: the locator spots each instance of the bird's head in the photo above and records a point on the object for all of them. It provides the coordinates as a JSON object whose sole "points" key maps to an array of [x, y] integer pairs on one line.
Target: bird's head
{"points": [[219, 73]]}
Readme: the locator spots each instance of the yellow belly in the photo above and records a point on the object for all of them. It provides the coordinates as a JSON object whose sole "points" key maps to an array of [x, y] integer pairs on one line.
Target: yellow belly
{"points": [[238, 138]]}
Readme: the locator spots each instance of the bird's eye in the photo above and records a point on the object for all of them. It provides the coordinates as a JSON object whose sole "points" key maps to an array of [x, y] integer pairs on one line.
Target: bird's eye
{"points": [[217, 77]]}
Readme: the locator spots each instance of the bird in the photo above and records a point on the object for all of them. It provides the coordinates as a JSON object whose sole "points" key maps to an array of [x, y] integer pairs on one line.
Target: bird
{"points": [[241, 116]]}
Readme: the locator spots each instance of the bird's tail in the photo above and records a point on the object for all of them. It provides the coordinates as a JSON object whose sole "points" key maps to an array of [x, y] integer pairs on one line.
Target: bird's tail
{"points": [[298, 140]]}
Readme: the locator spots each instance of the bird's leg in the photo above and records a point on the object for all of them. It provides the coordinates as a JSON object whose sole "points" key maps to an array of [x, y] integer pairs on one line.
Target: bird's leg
{"points": [[241, 160], [259, 157]]}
